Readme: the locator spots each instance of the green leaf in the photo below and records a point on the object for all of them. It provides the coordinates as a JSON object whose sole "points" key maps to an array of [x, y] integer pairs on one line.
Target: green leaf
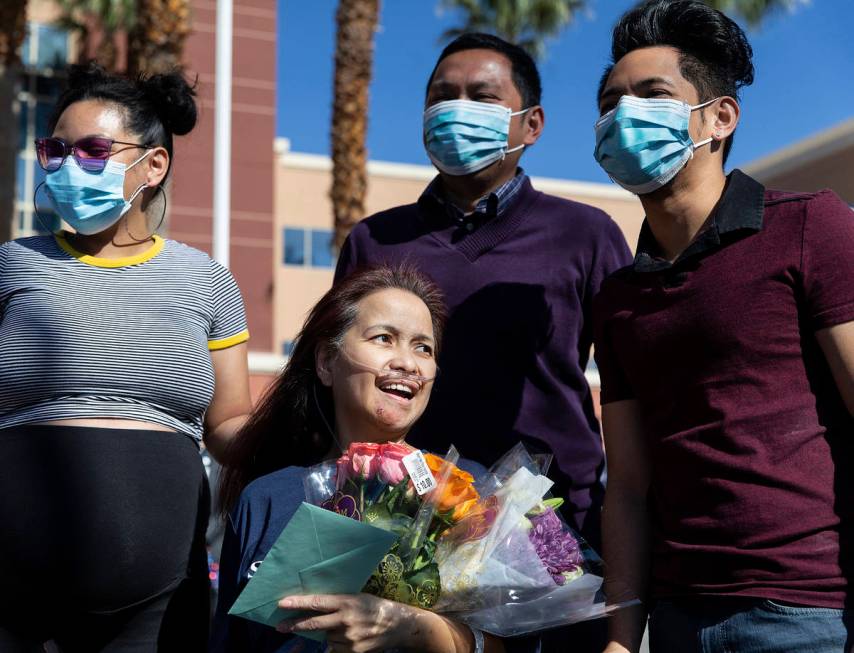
{"points": [[528, 23]]}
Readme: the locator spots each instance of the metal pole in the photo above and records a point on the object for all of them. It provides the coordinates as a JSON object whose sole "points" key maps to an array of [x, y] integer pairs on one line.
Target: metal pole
{"points": [[222, 133]]}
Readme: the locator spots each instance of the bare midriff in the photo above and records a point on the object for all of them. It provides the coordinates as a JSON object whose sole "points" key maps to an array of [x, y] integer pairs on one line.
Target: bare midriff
{"points": [[107, 423]]}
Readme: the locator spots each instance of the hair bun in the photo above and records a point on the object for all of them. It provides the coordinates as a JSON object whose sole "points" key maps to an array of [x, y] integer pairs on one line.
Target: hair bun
{"points": [[174, 100]]}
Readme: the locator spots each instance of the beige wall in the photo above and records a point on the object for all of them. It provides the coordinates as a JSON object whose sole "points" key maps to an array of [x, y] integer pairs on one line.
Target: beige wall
{"points": [[43, 11], [302, 201], [835, 172], [823, 160], [253, 127]]}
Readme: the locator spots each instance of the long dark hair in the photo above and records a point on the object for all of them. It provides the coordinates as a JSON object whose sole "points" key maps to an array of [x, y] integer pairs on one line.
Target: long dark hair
{"points": [[287, 428]]}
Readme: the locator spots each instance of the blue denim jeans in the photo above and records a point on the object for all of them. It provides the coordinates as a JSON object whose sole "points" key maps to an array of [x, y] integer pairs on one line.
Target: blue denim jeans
{"points": [[724, 625]]}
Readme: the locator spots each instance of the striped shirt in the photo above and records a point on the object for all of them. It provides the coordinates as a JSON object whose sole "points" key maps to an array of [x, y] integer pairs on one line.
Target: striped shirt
{"points": [[88, 337]]}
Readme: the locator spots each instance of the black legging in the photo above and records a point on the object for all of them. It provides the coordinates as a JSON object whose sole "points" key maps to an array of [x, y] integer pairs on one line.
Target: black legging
{"points": [[102, 540]]}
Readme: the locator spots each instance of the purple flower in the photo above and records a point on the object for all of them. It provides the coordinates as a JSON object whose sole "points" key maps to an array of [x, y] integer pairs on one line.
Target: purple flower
{"points": [[556, 547], [343, 504]]}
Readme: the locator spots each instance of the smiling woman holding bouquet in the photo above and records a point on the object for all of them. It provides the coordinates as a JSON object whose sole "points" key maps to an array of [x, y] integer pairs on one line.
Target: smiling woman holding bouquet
{"points": [[361, 371]]}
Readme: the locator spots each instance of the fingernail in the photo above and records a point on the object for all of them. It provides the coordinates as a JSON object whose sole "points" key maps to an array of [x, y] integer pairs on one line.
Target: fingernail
{"points": [[285, 603], [284, 627]]}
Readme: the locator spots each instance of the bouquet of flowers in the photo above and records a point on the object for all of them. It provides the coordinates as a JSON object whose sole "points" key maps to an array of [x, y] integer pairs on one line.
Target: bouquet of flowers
{"points": [[513, 566], [493, 553], [397, 488]]}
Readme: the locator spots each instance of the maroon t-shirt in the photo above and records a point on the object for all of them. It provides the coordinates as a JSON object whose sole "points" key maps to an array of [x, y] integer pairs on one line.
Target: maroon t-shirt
{"points": [[751, 446]]}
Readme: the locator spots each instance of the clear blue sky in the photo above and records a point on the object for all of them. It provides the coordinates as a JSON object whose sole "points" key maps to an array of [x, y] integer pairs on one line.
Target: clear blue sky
{"points": [[804, 82]]}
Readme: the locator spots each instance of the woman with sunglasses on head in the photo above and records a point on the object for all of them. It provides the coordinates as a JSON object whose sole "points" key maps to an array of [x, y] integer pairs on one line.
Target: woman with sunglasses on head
{"points": [[120, 352]]}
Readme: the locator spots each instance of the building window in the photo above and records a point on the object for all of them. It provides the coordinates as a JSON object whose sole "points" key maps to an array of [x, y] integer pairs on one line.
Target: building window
{"points": [[308, 247], [294, 246], [321, 248], [52, 47], [45, 50]]}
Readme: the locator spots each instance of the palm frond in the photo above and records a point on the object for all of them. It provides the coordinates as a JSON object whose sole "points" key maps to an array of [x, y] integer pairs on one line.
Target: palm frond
{"points": [[528, 23], [754, 11]]}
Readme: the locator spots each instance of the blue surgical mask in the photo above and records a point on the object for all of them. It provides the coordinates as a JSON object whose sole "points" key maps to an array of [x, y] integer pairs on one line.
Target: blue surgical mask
{"points": [[463, 136], [90, 202], [643, 143]]}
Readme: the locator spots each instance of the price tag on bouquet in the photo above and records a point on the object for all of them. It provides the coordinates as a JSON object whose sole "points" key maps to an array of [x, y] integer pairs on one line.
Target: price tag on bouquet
{"points": [[419, 472]]}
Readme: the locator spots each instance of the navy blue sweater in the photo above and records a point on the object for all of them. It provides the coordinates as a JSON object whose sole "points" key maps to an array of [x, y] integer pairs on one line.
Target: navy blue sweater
{"points": [[264, 509]]}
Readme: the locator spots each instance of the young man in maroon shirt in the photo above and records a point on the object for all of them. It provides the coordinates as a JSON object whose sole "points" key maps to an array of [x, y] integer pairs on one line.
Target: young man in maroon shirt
{"points": [[726, 352]]}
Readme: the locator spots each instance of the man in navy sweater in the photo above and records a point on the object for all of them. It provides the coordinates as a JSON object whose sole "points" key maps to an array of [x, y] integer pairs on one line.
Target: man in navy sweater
{"points": [[519, 270]]}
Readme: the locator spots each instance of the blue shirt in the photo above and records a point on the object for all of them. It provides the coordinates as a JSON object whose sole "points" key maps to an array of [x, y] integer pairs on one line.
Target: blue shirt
{"points": [[265, 507], [490, 206]]}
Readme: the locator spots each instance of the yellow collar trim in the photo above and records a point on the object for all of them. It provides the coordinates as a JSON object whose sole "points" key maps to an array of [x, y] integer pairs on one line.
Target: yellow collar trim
{"points": [[100, 262]]}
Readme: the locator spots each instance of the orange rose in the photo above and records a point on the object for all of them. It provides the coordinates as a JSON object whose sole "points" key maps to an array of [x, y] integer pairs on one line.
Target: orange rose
{"points": [[478, 522], [458, 494], [462, 509]]}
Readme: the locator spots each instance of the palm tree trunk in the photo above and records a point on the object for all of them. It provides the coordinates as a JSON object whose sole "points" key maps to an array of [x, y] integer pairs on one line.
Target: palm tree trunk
{"points": [[354, 53], [13, 26], [107, 52], [13, 29], [8, 149], [156, 43]]}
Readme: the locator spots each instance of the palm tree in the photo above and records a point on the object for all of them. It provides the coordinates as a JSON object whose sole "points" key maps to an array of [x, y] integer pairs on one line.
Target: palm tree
{"points": [[106, 18], [753, 11], [156, 42], [156, 31], [528, 23], [13, 30], [354, 55]]}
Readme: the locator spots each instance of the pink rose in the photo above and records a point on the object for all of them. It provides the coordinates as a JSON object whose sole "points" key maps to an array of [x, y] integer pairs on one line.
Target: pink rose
{"points": [[391, 469], [364, 459]]}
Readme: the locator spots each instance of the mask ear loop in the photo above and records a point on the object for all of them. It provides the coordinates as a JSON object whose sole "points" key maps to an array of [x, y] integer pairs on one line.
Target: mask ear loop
{"points": [[709, 139], [36, 211], [700, 144], [518, 147], [131, 165], [134, 196], [705, 104], [512, 149]]}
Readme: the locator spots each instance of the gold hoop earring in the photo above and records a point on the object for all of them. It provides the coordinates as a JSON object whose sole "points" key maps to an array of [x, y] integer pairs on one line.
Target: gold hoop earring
{"points": [[159, 224], [38, 215]]}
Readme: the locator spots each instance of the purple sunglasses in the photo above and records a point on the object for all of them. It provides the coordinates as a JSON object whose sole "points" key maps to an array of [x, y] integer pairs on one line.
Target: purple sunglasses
{"points": [[91, 152]]}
